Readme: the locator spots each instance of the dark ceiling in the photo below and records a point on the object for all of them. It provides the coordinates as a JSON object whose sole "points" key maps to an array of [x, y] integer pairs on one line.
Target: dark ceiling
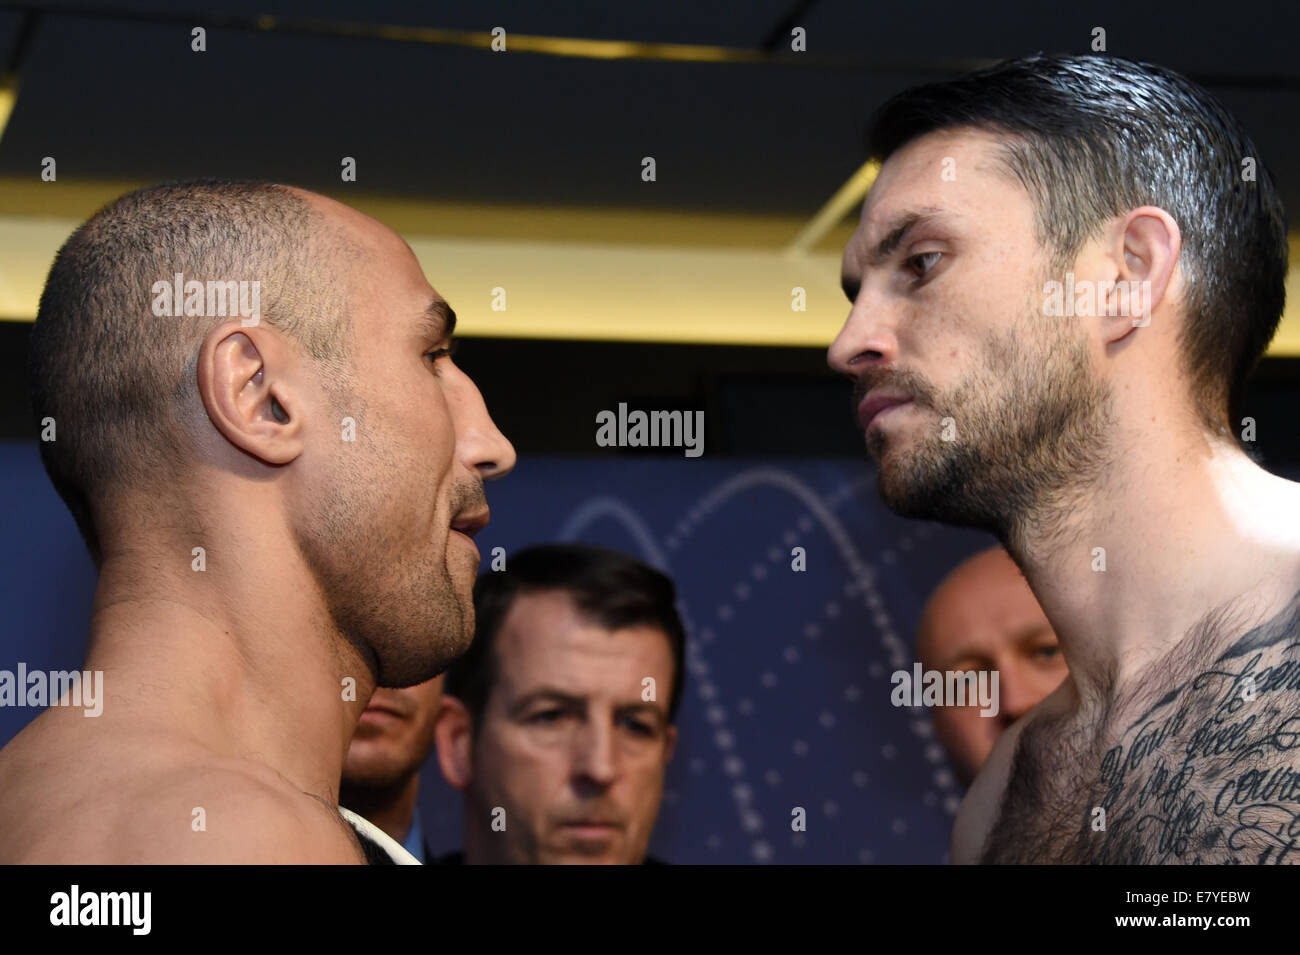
{"points": [[111, 89]]}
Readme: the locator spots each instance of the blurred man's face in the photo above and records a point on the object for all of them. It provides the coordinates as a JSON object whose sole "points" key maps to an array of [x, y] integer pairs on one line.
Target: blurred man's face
{"points": [[395, 492], [1000, 404], [393, 736], [985, 617], [567, 746]]}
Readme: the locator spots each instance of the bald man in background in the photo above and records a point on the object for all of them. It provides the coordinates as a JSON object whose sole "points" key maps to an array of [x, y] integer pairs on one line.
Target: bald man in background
{"points": [[983, 616]]}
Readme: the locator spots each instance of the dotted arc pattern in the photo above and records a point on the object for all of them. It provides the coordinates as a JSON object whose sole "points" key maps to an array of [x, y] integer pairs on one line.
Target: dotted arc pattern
{"points": [[787, 698]]}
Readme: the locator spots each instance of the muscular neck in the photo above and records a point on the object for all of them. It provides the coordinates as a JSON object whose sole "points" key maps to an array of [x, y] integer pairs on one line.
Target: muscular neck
{"points": [[240, 658], [1183, 526]]}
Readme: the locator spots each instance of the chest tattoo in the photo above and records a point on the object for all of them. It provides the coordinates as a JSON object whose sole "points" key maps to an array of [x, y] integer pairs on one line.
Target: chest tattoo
{"points": [[1208, 773]]}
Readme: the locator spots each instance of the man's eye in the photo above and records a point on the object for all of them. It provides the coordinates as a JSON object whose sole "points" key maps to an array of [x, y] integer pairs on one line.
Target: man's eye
{"points": [[1047, 653], [923, 262], [546, 716], [639, 727], [446, 351]]}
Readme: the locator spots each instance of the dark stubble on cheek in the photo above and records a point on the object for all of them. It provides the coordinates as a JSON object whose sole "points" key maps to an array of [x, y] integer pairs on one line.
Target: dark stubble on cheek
{"points": [[389, 595], [1031, 429]]}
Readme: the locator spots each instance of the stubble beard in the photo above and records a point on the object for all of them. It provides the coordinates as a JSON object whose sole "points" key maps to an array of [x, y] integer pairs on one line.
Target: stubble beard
{"points": [[398, 606], [1029, 433]]}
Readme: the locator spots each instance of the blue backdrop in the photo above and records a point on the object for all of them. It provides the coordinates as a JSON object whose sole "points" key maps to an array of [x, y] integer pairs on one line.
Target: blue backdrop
{"points": [[787, 696]]}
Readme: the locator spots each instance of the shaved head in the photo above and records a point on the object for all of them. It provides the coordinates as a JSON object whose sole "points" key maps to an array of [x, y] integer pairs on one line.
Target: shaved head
{"points": [[115, 377], [984, 617]]}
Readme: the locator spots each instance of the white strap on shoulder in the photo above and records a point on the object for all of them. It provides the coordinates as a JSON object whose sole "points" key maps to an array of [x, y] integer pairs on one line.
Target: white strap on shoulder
{"points": [[386, 842]]}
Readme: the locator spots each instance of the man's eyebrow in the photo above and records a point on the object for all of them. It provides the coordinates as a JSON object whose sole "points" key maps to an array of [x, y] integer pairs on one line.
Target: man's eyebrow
{"points": [[1033, 632], [439, 319], [895, 232], [553, 695], [656, 714], [546, 693], [957, 655], [639, 706]]}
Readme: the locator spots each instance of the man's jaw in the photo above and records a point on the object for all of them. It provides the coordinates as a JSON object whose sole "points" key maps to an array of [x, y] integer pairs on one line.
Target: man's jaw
{"points": [[588, 834]]}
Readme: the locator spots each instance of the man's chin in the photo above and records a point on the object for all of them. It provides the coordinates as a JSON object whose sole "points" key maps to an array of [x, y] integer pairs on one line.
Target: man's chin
{"points": [[909, 490], [379, 772], [571, 848], [604, 856], [896, 477]]}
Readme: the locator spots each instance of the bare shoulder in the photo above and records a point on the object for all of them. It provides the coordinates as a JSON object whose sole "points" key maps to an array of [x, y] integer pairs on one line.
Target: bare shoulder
{"points": [[236, 814], [982, 805], [979, 809], [129, 800]]}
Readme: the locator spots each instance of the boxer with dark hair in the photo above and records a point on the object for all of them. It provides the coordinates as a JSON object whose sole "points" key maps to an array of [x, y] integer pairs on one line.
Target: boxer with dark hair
{"points": [[1064, 272], [279, 500], [558, 724]]}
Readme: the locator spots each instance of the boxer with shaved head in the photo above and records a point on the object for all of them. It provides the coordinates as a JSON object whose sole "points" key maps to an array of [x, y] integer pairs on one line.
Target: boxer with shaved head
{"points": [[1063, 274], [280, 501]]}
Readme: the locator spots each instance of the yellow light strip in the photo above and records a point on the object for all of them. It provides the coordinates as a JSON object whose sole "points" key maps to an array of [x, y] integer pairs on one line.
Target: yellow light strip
{"points": [[594, 290], [562, 290], [578, 47], [846, 198], [8, 97], [524, 42]]}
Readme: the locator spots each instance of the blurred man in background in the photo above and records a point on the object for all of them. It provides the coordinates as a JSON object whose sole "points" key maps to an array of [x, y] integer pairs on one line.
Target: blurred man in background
{"points": [[558, 724], [381, 775], [983, 616]]}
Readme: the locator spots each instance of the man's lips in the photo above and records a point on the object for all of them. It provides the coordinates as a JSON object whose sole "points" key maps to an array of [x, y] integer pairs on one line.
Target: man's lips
{"points": [[590, 828], [467, 525], [470, 524], [379, 709], [874, 404]]}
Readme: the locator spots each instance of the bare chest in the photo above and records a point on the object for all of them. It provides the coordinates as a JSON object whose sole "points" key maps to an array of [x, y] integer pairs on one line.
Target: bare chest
{"points": [[1205, 772]]}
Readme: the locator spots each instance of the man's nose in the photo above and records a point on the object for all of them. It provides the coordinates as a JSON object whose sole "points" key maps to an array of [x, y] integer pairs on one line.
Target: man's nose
{"points": [[864, 340], [594, 757], [480, 445]]}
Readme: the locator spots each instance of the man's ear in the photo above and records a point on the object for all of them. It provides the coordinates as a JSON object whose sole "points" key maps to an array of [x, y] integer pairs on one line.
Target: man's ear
{"points": [[454, 732], [243, 379], [1144, 248]]}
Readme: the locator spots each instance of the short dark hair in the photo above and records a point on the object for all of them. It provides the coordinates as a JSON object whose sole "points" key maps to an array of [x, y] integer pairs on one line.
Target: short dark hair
{"points": [[608, 587], [112, 375], [1091, 137]]}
